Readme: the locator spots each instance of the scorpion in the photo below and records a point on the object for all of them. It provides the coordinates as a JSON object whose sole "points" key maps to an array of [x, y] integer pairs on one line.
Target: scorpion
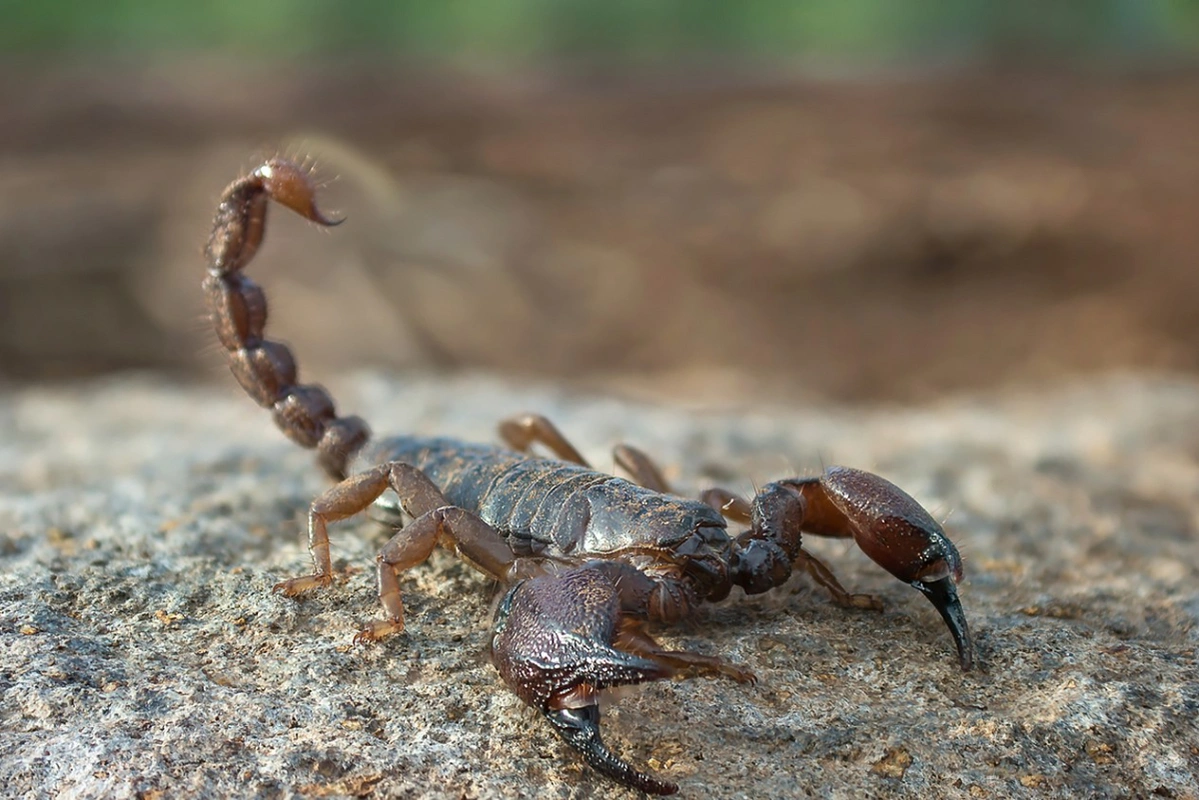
{"points": [[587, 560]]}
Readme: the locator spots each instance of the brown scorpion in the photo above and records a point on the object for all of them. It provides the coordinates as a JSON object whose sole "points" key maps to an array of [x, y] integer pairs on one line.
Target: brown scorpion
{"points": [[587, 559]]}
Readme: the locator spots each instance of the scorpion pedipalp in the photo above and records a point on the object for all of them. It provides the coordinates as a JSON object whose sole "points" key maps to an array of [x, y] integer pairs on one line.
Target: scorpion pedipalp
{"points": [[560, 639], [885, 522], [553, 644], [897, 533]]}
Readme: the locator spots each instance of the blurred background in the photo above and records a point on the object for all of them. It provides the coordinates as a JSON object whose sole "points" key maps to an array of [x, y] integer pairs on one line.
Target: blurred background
{"points": [[856, 201]]}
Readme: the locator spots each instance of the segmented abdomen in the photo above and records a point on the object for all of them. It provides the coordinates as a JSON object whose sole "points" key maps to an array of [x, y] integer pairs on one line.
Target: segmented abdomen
{"points": [[545, 506]]}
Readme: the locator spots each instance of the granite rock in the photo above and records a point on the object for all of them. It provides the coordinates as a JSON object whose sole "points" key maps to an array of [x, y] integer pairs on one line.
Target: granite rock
{"points": [[142, 653]]}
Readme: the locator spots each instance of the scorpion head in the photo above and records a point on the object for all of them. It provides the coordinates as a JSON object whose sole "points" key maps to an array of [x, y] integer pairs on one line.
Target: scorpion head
{"points": [[898, 534], [704, 557]]}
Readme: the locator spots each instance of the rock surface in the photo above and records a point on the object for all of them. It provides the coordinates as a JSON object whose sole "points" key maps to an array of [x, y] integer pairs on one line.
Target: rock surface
{"points": [[142, 653]]}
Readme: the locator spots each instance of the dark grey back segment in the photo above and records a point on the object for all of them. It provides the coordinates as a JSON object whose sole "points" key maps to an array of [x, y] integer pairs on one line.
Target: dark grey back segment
{"points": [[546, 506]]}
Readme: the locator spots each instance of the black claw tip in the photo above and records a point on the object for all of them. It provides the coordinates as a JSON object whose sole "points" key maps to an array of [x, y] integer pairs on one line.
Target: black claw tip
{"points": [[944, 597], [579, 727]]}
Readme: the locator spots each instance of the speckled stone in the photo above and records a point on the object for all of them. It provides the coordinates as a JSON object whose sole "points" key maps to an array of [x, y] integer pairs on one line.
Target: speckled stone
{"points": [[142, 653]]}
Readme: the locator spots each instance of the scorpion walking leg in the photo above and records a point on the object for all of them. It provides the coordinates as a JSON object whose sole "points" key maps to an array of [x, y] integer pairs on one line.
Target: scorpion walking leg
{"points": [[436, 520], [520, 433], [733, 506], [641, 467], [819, 571], [632, 638], [561, 639], [738, 509], [469, 536]]}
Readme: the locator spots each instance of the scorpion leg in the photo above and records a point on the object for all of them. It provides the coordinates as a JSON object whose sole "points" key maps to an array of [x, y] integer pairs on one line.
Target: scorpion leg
{"points": [[436, 520], [819, 571], [561, 639], [476, 542], [738, 509], [733, 506], [632, 638], [641, 467], [520, 433], [885, 522]]}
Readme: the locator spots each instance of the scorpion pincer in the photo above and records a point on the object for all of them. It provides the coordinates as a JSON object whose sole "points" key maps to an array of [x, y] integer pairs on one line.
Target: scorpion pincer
{"points": [[588, 560]]}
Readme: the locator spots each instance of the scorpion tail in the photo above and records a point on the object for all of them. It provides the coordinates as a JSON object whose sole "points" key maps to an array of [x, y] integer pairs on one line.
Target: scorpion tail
{"points": [[264, 368]]}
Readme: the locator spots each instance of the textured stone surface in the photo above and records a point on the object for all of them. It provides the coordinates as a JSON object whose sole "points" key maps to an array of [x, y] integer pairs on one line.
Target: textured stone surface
{"points": [[142, 653]]}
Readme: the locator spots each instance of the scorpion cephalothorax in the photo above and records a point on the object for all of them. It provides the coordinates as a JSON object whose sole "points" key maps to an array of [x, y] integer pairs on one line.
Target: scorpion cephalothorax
{"points": [[587, 558]]}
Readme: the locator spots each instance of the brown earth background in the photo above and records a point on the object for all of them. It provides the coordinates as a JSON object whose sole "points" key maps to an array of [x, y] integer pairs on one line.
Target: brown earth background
{"points": [[719, 233]]}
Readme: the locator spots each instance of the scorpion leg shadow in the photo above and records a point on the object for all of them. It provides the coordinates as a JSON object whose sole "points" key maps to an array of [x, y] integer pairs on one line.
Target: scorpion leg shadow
{"points": [[561, 639]]}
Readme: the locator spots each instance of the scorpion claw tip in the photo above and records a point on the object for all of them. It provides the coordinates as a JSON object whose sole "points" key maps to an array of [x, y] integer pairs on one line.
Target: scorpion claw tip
{"points": [[579, 727], [943, 595]]}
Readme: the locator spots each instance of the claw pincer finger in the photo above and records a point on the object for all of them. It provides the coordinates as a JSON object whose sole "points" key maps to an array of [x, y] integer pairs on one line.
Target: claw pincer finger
{"points": [[579, 727]]}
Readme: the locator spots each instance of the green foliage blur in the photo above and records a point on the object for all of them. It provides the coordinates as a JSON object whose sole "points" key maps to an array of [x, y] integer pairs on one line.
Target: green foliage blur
{"points": [[619, 30]]}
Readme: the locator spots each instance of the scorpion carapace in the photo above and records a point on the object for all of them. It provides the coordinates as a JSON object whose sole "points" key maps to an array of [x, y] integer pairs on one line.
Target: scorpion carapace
{"points": [[587, 559]]}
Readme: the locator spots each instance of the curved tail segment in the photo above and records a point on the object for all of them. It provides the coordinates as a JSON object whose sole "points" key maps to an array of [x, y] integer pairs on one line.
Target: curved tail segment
{"points": [[267, 369]]}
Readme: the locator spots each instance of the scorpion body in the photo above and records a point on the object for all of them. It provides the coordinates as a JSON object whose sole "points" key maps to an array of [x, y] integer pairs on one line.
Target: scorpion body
{"points": [[587, 559], [552, 509]]}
